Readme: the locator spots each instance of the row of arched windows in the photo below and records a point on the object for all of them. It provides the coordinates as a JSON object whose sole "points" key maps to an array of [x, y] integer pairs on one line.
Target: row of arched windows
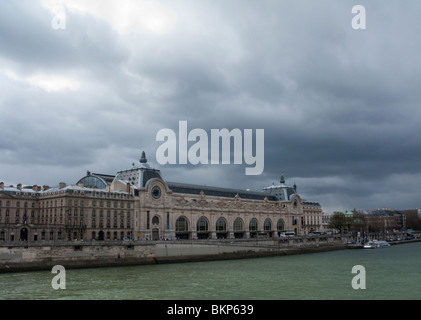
{"points": [[202, 225]]}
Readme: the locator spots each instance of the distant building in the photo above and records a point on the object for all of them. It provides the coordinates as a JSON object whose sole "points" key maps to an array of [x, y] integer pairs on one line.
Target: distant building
{"points": [[378, 220], [137, 203], [383, 219], [413, 218]]}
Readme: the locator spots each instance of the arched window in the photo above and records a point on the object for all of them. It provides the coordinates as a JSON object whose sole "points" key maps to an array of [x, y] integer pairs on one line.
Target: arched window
{"points": [[238, 225], [93, 182], [221, 225], [181, 225], [267, 225], [202, 224], [253, 224], [155, 220]]}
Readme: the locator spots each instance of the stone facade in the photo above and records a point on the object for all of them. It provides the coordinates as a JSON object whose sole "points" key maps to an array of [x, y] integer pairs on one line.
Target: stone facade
{"points": [[138, 204], [67, 213]]}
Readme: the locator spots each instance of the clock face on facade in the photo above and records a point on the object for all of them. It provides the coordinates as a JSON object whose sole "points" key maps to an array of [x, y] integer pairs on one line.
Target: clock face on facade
{"points": [[156, 192]]}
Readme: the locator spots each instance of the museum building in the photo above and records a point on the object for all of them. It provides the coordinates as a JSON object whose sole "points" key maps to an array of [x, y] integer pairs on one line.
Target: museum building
{"points": [[137, 203]]}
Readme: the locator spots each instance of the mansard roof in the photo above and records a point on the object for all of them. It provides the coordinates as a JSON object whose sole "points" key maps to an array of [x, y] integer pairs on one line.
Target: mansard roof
{"points": [[281, 191], [177, 187], [138, 175]]}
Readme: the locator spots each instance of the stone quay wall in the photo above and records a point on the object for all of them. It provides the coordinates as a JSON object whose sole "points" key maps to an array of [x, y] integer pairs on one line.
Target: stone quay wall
{"points": [[27, 256]]}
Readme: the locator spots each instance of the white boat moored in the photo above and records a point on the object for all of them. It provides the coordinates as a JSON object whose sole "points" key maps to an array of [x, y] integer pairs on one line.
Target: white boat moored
{"points": [[376, 244]]}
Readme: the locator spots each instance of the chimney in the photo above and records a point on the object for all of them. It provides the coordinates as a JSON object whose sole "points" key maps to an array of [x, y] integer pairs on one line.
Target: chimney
{"points": [[62, 185], [128, 187], [2, 185], [19, 186], [45, 187], [35, 187]]}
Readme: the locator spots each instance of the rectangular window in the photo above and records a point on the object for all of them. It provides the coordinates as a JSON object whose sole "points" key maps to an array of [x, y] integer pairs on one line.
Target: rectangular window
{"points": [[147, 220]]}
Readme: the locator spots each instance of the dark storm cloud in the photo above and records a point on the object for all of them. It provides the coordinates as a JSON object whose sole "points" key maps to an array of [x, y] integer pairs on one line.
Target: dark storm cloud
{"points": [[29, 40], [340, 107]]}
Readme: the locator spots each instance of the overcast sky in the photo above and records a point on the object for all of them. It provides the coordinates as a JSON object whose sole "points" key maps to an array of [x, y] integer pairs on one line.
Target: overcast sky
{"points": [[340, 107]]}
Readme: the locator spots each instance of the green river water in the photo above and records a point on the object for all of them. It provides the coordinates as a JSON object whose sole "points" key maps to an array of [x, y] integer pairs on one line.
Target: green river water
{"points": [[390, 273]]}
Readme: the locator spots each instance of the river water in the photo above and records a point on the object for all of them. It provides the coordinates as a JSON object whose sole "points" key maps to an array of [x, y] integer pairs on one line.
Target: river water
{"points": [[390, 273]]}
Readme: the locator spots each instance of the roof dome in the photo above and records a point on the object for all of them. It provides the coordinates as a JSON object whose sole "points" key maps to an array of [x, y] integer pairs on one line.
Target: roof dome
{"points": [[281, 191], [139, 175]]}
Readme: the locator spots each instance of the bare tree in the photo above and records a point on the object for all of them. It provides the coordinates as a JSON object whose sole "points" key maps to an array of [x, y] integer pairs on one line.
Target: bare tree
{"points": [[338, 221]]}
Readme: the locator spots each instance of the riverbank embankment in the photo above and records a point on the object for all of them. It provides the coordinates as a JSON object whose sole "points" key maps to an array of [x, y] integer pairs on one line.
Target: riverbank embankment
{"points": [[43, 255], [27, 256]]}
